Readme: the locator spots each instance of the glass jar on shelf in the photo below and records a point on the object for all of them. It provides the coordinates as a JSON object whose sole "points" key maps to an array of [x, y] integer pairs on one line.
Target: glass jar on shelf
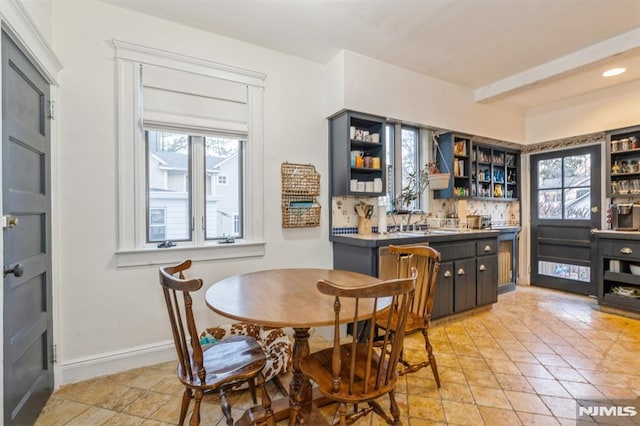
{"points": [[624, 144], [616, 167]]}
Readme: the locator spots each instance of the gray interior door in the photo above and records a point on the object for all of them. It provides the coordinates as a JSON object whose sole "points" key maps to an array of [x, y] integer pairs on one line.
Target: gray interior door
{"points": [[28, 361], [565, 200]]}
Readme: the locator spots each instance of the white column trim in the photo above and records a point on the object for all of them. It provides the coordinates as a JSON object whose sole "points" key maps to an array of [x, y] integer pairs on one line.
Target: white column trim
{"points": [[24, 32], [148, 55]]}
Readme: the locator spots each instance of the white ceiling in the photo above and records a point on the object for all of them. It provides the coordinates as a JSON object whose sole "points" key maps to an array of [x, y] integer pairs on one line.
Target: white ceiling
{"points": [[525, 52]]}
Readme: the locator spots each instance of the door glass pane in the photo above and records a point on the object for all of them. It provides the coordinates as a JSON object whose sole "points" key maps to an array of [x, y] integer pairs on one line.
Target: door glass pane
{"points": [[550, 173], [565, 270], [577, 203], [168, 186], [550, 204], [223, 186], [577, 170]]}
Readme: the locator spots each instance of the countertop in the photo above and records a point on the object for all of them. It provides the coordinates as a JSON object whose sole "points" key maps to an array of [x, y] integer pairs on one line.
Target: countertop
{"points": [[621, 235], [410, 237]]}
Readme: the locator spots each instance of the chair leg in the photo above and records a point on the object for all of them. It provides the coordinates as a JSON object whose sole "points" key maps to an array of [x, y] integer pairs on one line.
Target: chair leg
{"points": [[226, 408], [342, 409], [395, 410], [186, 399], [195, 417], [269, 418], [432, 358], [252, 388]]}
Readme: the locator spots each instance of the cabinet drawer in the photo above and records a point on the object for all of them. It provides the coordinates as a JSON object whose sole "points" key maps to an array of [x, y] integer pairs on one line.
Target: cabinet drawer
{"points": [[455, 250], [624, 249], [485, 247]]}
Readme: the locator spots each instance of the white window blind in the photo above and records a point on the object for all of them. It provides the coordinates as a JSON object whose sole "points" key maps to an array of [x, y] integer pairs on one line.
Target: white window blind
{"points": [[183, 100]]}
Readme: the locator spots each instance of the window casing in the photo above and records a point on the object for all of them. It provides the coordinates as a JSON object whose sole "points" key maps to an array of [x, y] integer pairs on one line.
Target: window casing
{"points": [[406, 151], [160, 90]]}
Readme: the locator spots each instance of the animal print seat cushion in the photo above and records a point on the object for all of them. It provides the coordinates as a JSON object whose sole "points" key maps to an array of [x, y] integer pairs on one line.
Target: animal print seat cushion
{"points": [[274, 342]]}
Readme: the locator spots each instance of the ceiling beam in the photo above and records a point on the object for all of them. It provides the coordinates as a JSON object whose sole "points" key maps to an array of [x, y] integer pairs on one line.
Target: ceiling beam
{"points": [[557, 67]]}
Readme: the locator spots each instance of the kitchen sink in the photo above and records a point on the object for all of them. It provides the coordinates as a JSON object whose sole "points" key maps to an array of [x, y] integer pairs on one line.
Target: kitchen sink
{"points": [[447, 231], [412, 233]]}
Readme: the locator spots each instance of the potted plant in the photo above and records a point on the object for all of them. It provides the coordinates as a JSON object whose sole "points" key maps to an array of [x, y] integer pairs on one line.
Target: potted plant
{"points": [[436, 179], [415, 185]]}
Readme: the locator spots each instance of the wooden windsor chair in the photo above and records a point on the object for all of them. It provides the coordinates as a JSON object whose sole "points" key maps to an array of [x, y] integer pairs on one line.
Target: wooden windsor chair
{"points": [[210, 367], [359, 372]]}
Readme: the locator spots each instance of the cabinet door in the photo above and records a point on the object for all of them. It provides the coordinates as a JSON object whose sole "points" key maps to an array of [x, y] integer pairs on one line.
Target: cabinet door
{"points": [[443, 303], [487, 277], [464, 284]]}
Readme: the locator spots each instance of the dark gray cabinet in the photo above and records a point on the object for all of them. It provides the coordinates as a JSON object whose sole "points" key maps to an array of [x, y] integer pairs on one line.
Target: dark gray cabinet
{"points": [[457, 280], [468, 269], [618, 287], [464, 272], [487, 272], [360, 135], [443, 303]]}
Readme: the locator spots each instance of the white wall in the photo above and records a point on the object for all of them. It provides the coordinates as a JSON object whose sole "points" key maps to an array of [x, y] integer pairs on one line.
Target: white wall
{"points": [[40, 12], [105, 312], [387, 90], [605, 109]]}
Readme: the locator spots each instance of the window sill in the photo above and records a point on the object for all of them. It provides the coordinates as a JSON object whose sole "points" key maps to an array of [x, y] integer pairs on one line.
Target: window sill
{"points": [[156, 256]]}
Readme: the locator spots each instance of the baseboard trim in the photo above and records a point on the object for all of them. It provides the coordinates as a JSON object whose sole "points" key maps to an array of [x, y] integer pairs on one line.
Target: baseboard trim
{"points": [[80, 369]]}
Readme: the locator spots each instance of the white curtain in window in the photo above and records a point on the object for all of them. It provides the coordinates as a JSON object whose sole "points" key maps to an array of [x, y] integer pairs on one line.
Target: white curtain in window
{"points": [[180, 100]]}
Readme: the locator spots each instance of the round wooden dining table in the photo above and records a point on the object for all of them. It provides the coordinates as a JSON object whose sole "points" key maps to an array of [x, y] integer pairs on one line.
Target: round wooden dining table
{"points": [[289, 298]]}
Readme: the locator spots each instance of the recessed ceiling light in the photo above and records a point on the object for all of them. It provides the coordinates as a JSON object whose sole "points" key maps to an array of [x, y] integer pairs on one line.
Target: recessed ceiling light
{"points": [[613, 71]]}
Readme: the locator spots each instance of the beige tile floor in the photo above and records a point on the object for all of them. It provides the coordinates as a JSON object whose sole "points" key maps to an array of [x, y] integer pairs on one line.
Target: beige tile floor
{"points": [[523, 362]]}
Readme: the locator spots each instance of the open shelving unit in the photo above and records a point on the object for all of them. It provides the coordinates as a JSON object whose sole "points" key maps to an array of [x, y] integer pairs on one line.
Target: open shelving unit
{"points": [[480, 170], [353, 133]]}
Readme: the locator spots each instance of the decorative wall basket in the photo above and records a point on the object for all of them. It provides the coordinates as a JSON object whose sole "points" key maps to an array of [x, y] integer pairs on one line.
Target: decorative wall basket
{"points": [[439, 180]]}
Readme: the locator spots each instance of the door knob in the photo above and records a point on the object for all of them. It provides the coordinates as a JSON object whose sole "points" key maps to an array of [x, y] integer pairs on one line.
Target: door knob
{"points": [[9, 221], [17, 270]]}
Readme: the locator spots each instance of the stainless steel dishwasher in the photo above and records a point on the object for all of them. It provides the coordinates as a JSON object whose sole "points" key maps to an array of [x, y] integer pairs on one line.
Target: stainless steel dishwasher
{"points": [[387, 263]]}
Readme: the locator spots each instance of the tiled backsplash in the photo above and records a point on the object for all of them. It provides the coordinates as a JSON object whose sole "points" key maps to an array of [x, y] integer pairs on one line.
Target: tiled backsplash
{"points": [[345, 219]]}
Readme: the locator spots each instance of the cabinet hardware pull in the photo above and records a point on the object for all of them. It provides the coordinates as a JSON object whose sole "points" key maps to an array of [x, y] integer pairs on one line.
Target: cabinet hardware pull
{"points": [[447, 274], [626, 250], [482, 267], [487, 248], [460, 271]]}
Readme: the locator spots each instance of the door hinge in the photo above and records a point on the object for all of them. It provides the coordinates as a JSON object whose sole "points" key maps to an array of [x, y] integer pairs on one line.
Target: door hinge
{"points": [[54, 354], [52, 110]]}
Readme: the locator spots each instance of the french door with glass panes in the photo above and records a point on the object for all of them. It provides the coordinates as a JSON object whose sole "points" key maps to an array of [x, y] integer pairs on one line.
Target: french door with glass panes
{"points": [[565, 200]]}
